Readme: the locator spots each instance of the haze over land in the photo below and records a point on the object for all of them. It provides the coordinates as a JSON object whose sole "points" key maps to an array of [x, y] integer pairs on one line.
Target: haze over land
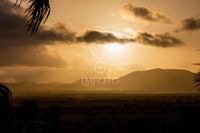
{"points": [[151, 81]]}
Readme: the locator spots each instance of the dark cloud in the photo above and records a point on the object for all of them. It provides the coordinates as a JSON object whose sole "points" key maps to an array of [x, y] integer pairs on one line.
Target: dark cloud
{"points": [[101, 37], [144, 14], [17, 47], [12, 26], [13, 30], [158, 40], [197, 64], [190, 24]]}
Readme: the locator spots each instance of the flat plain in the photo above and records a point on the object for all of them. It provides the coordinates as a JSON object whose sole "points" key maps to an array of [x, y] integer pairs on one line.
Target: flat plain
{"points": [[107, 113]]}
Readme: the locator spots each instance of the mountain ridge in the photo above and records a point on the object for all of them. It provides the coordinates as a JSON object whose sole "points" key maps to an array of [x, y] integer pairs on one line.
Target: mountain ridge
{"points": [[149, 81]]}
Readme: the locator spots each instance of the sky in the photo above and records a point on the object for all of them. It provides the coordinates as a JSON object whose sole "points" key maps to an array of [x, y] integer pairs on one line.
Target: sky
{"points": [[99, 39]]}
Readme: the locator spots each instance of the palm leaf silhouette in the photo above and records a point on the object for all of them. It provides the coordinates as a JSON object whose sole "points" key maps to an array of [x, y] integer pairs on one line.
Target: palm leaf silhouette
{"points": [[5, 106], [197, 80], [37, 12]]}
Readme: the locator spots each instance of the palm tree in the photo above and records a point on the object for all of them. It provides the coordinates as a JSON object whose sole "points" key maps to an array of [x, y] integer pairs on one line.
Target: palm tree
{"points": [[37, 12]]}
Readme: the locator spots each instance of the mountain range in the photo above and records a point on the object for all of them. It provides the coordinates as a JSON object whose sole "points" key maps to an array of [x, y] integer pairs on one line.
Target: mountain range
{"points": [[150, 81]]}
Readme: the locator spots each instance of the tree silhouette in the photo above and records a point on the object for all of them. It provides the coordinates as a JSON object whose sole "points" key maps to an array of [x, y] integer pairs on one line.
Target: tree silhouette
{"points": [[37, 12]]}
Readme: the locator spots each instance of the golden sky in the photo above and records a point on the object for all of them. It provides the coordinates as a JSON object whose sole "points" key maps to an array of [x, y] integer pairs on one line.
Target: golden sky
{"points": [[100, 38]]}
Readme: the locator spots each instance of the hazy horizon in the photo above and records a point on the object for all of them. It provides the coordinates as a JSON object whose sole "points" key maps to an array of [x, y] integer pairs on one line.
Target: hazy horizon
{"points": [[156, 81], [76, 80]]}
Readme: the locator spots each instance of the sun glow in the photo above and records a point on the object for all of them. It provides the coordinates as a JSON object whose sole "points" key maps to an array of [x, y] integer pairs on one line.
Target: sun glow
{"points": [[114, 49]]}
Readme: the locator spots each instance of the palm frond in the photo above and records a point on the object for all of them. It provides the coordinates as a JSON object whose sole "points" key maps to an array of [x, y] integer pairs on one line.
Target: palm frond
{"points": [[17, 3], [37, 12], [197, 80]]}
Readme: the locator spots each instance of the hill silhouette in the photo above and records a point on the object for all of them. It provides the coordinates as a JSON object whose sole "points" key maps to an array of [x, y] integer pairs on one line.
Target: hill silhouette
{"points": [[150, 81], [159, 80]]}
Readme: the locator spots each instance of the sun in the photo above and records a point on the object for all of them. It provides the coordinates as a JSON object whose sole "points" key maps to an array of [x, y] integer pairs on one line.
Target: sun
{"points": [[114, 49], [115, 53]]}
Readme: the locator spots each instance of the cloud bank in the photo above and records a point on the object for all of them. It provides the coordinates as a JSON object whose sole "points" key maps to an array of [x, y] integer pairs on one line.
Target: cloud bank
{"points": [[145, 38], [101, 37], [18, 48], [158, 40]]}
